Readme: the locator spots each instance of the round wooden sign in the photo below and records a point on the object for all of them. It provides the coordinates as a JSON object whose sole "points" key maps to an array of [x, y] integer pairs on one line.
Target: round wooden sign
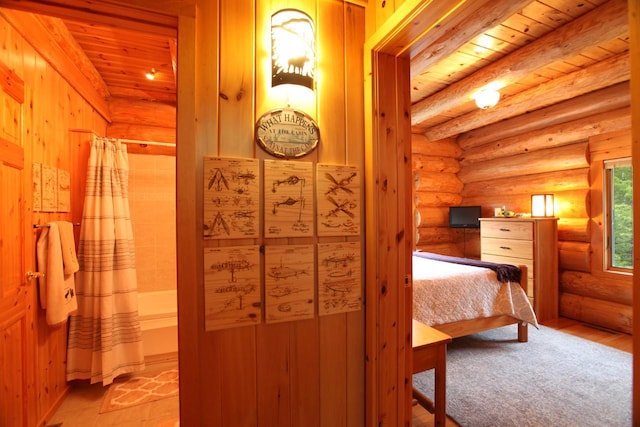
{"points": [[287, 133]]}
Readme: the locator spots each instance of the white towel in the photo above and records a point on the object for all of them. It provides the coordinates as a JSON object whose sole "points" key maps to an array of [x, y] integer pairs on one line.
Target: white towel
{"points": [[69, 258], [57, 290]]}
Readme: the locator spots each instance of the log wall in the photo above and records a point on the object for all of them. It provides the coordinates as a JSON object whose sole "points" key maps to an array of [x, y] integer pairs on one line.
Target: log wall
{"points": [[143, 121], [495, 170]]}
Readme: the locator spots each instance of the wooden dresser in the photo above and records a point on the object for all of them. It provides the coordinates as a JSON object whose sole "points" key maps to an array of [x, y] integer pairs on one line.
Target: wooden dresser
{"points": [[527, 241]]}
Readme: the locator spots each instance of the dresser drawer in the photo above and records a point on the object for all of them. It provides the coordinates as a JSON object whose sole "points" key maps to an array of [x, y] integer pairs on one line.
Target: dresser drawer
{"points": [[511, 229], [507, 247]]}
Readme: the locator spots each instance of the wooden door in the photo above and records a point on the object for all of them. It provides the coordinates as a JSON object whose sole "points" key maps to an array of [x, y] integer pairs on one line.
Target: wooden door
{"points": [[16, 292]]}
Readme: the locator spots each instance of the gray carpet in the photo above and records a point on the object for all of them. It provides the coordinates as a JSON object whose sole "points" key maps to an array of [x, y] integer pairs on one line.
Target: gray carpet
{"points": [[555, 379]]}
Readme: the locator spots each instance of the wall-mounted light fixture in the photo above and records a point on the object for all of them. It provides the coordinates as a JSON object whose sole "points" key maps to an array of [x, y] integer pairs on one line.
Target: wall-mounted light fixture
{"points": [[150, 75], [293, 55], [542, 205], [487, 98]]}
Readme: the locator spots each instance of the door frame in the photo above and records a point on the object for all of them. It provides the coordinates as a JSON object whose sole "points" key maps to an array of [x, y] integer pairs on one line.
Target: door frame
{"points": [[386, 56]]}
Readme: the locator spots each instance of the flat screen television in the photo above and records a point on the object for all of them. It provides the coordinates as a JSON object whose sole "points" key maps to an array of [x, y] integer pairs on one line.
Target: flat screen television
{"points": [[464, 216]]}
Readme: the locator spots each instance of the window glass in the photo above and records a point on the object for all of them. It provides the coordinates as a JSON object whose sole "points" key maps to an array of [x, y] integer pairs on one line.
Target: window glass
{"points": [[618, 214]]}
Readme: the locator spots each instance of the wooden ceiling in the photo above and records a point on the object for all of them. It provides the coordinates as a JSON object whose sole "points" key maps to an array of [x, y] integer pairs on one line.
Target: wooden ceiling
{"points": [[123, 57], [540, 52], [104, 47]]}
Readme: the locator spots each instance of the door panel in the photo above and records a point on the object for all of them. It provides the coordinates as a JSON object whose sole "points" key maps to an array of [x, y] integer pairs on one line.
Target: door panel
{"points": [[16, 338]]}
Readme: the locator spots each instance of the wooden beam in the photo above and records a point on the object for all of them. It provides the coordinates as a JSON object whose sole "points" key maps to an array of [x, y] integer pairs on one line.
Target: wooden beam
{"points": [[145, 113], [410, 22], [611, 98], [553, 136], [612, 289], [566, 157], [136, 15], [469, 21], [600, 75], [60, 33], [561, 180], [600, 25], [46, 45]]}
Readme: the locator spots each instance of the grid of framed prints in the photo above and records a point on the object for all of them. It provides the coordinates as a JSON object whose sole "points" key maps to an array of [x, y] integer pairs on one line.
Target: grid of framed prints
{"points": [[277, 282]]}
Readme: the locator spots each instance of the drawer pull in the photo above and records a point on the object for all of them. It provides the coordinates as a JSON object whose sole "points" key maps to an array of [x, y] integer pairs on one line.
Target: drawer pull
{"points": [[505, 229], [506, 248]]}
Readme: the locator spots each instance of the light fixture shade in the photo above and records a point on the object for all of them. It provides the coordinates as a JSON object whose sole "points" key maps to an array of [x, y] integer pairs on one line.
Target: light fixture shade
{"points": [[542, 205], [487, 98], [293, 55]]}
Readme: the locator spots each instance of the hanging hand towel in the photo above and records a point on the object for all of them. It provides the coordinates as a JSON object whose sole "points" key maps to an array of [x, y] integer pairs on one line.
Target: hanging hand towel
{"points": [[69, 258], [57, 290]]}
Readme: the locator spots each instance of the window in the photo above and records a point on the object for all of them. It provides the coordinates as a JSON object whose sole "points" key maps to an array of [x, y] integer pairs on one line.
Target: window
{"points": [[618, 214]]}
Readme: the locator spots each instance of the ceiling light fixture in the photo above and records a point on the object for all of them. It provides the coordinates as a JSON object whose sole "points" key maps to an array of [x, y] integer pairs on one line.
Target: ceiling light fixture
{"points": [[487, 98], [151, 74]]}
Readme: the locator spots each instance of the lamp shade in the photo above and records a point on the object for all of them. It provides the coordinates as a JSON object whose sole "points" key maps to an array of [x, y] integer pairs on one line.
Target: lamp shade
{"points": [[542, 205], [292, 48]]}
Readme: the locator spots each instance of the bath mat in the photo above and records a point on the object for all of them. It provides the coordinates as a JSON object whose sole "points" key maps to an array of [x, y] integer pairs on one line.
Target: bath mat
{"points": [[139, 389]]}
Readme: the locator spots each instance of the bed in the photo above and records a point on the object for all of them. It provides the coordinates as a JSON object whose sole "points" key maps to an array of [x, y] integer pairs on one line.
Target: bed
{"points": [[460, 296]]}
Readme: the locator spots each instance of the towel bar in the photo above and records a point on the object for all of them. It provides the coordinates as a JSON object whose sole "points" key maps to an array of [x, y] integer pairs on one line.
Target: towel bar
{"points": [[75, 224]]}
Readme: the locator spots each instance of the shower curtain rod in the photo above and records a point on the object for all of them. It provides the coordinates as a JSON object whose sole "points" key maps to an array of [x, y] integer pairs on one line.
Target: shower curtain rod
{"points": [[128, 141], [135, 141], [75, 224]]}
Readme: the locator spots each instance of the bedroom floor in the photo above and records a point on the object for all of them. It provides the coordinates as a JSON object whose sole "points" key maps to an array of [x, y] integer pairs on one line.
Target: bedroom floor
{"points": [[620, 341], [69, 415]]}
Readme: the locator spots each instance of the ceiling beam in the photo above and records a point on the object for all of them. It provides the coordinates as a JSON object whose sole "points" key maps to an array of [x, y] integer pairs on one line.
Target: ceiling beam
{"points": [[47, 45], [597, 76], [543, 139], [469, 22], [600, 25], [607, 99], [60, 33]]}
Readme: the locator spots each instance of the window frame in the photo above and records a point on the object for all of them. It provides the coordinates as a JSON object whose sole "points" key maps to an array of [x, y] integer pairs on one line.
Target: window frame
{"points": [[607, 203]]}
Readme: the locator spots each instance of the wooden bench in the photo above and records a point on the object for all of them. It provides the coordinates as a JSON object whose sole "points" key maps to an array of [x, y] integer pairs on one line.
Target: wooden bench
{"points": [[430, 352]]}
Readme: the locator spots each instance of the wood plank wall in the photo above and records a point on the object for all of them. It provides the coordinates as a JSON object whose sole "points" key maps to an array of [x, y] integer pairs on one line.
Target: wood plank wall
{"points": [[307, 372], [558, 158], [52, 108]]}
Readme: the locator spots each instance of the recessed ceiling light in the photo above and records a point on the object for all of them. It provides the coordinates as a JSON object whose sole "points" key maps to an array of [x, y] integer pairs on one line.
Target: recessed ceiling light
{"points": [[151, 74]]}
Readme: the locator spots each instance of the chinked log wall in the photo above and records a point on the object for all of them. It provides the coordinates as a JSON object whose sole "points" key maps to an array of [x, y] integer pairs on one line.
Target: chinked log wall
{"points": [[143, 121], [500, 167]]}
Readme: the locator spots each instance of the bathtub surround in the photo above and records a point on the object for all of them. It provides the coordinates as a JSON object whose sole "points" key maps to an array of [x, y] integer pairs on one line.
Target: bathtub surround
{"points": [[106, 285], [152, 202], [159, 324]]}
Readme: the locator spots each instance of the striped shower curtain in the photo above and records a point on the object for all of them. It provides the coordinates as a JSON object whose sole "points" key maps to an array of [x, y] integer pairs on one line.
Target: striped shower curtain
{"points": [[104, 334]]}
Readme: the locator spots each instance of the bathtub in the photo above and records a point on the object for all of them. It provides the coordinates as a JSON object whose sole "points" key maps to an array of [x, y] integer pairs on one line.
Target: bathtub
{"points": [[159, 322]]}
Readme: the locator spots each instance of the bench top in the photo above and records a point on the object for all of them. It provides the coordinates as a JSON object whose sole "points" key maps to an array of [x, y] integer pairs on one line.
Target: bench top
{"points": [[426, 336]]}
